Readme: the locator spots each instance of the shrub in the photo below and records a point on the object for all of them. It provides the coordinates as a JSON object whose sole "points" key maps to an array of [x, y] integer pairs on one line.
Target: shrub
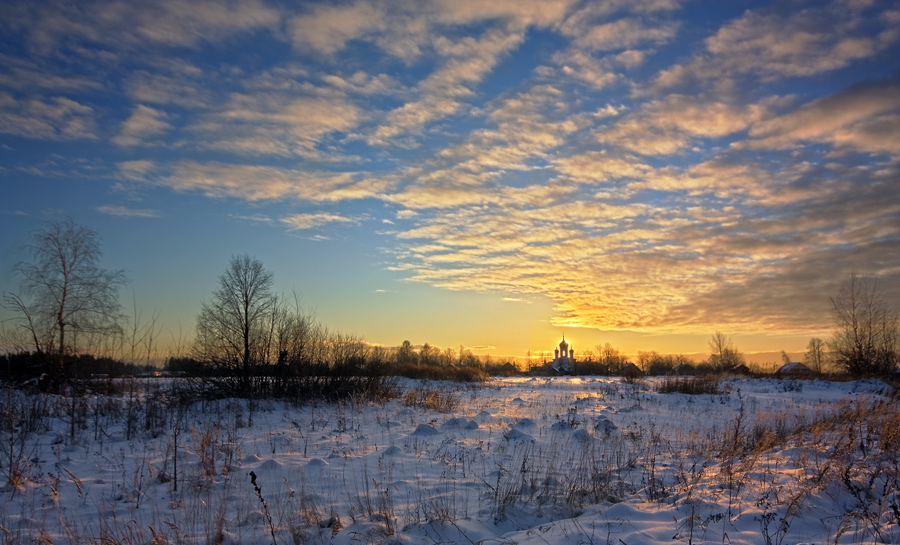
{"points": [[434, 372], [691, 386]]}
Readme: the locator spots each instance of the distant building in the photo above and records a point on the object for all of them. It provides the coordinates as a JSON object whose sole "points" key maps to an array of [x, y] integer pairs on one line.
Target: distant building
{"points": [[794, 369], [564, 358], [631, 370]]}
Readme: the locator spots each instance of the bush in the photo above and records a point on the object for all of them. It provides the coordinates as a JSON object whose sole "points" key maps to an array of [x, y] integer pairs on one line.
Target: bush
{"points": [[691, 386]]}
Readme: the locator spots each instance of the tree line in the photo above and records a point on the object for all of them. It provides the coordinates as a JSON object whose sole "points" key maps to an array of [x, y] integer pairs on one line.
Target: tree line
{"points": [[248, 340]]}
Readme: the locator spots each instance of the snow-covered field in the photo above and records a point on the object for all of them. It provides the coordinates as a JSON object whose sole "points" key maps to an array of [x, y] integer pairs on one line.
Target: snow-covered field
{"points": [[521, 460]]}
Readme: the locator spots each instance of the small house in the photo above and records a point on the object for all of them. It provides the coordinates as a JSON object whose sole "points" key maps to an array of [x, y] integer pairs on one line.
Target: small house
{"points": [[631, 370], [794, 369]]}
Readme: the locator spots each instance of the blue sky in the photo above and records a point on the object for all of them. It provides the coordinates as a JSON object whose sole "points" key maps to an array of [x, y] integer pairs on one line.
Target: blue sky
{"points": [[486, 174]]}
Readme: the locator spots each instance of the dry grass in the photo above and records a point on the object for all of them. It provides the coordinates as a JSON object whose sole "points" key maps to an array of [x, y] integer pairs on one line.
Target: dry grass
{"points": [[432, 399], [691, 386]]}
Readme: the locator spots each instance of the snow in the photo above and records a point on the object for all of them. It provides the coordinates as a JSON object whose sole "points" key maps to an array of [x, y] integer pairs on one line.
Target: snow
{"points": [[563, 460]]}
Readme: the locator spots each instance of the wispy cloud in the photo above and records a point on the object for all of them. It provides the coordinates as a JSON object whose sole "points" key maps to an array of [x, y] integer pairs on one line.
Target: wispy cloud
{"points": [[441, 93], [275, 124], [300, 222], [863, 118], [266, 183], [126, 24], [772, 44], [144, 124], [124, 211], [58, 118]]}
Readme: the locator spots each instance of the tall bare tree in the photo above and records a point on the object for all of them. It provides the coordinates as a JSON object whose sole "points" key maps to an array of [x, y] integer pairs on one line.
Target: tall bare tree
{"points": [[611, 357], [816, 354], [235, 329], [867, 340], [64, 292], [724, 355]]}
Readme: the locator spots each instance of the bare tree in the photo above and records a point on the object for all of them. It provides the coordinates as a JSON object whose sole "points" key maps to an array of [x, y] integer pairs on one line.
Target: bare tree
{"points": [[429, 355], [816, 354], [296, 332], [235, 329], [611, 357], [724, 355], [867, 340], [406, 354], [448, 357], [65, 293]]}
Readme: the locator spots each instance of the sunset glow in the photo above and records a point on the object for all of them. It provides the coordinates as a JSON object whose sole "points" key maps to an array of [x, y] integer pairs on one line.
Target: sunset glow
{"points": [[485, 174]]}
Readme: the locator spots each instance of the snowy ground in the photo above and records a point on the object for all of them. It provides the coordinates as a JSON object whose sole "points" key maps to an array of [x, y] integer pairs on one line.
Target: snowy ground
{"points": [[521, 460]]}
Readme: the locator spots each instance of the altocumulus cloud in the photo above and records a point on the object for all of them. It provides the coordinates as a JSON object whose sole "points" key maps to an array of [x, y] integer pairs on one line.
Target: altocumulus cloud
{"points": [[645, 166]]}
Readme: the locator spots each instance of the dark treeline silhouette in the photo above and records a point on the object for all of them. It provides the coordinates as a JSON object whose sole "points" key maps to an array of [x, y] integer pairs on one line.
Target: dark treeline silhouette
{"points": [[31, 369]]}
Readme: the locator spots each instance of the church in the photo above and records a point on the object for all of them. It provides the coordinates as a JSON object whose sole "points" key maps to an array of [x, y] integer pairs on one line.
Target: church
{"points": [[564, 358]]}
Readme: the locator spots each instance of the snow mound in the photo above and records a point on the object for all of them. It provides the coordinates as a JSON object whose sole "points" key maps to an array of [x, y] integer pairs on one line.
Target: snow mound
{"points": [[454, 423], [270, 465], [582, 436], [515, 436], [604, 426], [426, 429], [561, 426]]}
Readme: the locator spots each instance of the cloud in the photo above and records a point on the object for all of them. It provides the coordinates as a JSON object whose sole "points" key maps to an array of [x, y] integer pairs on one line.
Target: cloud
{"points": [[58, 118], [669, 125], [300, 222], [145, 123], [364, 84], [186, 90], [137, 170], [173, 22], [405, 30], [717, 247], [256, 183], [862, 117], [517, 147], [327, 29], [275, 124], [624, 33], [55, 24], [441, 93], [598, 167], [116, 210], [255, 218], [772, 44], [27, 76]]}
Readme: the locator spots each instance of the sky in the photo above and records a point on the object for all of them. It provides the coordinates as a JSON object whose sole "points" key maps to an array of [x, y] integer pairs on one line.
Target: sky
{"points": [[490, 175]]}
